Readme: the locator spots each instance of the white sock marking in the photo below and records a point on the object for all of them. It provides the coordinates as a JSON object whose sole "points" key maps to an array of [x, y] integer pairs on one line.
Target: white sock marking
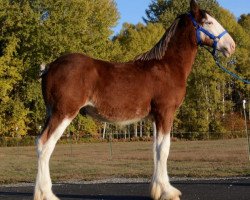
{"points": [[43, 181], [160, 186]]}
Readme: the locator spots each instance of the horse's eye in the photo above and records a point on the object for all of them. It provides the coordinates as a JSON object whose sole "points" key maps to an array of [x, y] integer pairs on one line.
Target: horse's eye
{"points": [[209, 23]]}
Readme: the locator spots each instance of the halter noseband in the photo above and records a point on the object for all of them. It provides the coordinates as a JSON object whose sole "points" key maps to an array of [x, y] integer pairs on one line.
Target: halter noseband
{"points": [[200, 29]]}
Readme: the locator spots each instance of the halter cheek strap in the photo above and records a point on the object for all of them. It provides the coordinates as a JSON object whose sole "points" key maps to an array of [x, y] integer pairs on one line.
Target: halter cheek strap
{"points": [[215, 39], [200, 29]]}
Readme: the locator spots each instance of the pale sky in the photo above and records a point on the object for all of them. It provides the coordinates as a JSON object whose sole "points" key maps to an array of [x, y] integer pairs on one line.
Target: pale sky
{"points": [[132, 11]]}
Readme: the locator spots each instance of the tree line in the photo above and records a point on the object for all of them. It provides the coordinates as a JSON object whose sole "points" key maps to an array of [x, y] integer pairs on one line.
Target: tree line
{"points": [[38, 31]]}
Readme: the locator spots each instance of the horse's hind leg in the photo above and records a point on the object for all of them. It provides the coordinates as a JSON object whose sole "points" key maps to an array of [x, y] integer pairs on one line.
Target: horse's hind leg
{"points": [[54, 129]]}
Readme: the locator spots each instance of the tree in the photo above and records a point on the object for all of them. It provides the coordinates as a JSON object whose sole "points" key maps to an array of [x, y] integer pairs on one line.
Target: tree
{"points": [[165, 11], [44, 30], [13, 114], [209, 91], [82, 125], [40, 32], [244, 21], [136, 39]]}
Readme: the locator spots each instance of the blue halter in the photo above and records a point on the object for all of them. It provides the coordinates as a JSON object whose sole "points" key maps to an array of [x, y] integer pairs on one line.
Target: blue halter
{"points": [[215, 39], [200, 29]]}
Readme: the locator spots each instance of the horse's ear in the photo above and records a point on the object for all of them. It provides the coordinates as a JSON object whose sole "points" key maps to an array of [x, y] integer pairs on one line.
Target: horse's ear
{"points": [[194, 8]]}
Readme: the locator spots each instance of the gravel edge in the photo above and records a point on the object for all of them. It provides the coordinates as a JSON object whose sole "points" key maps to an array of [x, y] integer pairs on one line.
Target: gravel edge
{"points": [[128, 180]]}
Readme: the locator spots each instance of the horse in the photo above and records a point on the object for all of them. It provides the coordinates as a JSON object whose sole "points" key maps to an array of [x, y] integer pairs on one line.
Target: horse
{"points": [[152, 85]]}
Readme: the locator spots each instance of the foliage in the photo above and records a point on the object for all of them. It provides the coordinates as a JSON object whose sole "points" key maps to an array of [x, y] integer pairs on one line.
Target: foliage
{"points": [[44, 30], [244, 21], [165, 11], [210, 93], [82, 125], [136, 39], [40, 32]]}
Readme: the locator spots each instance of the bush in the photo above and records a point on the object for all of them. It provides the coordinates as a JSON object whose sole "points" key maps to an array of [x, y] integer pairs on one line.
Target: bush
{"points": [[234, 122], [12, 141]]}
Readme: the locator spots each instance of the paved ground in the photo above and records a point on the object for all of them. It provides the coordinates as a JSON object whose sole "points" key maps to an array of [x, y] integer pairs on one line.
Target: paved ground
{"points": [[218, 189]]}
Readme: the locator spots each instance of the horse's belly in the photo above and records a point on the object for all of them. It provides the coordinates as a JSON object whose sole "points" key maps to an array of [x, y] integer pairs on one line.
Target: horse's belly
{"points": [[118, 115]]}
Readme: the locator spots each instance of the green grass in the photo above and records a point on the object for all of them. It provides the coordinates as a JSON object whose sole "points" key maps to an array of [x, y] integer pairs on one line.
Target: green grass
{"points": [[221, 158]]}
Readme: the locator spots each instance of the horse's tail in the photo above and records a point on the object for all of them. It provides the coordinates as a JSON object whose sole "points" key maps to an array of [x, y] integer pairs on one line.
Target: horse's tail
{"points": [[43, 70]]}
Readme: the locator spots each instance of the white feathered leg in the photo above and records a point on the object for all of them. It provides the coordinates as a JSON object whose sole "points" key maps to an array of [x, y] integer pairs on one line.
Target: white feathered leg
{"points": [[161, 189], [43, 187]]}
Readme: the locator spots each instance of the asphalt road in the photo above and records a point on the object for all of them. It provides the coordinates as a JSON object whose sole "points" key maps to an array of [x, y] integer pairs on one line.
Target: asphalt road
{"points": [[217, 189]]}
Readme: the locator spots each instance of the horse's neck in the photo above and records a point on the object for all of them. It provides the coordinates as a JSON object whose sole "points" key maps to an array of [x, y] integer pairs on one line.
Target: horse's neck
{"points": [[182, 50]]}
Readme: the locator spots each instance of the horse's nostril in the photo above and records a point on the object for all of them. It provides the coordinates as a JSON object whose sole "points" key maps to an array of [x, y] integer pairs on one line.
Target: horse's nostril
{"points": [[233, 46]]}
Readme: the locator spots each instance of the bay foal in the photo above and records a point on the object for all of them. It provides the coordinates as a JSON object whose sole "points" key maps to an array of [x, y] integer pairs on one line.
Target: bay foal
{"points": [[153, 85]]}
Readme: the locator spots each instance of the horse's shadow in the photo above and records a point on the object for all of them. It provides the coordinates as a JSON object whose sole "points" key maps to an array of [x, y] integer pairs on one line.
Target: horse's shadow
{"points": [[103, 197], [26, 195]]}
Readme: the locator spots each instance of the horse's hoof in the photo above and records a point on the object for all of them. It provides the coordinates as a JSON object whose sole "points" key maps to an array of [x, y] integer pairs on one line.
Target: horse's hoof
{"points": [[164, 192], [40, 196]]}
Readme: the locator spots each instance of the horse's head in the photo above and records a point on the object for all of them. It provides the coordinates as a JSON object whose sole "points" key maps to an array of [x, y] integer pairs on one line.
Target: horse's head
{"points": [[210, 32]]}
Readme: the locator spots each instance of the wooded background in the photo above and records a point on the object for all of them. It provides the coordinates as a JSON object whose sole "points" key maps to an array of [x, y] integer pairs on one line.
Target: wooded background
{"points": [[39, 31]]}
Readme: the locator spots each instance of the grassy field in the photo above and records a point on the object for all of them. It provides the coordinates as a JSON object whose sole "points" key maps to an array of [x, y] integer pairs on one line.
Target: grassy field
{"points": [[222, 158]]}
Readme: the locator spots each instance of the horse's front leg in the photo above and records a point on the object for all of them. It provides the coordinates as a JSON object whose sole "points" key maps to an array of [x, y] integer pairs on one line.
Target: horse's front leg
{"points": [[161, 189]]}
